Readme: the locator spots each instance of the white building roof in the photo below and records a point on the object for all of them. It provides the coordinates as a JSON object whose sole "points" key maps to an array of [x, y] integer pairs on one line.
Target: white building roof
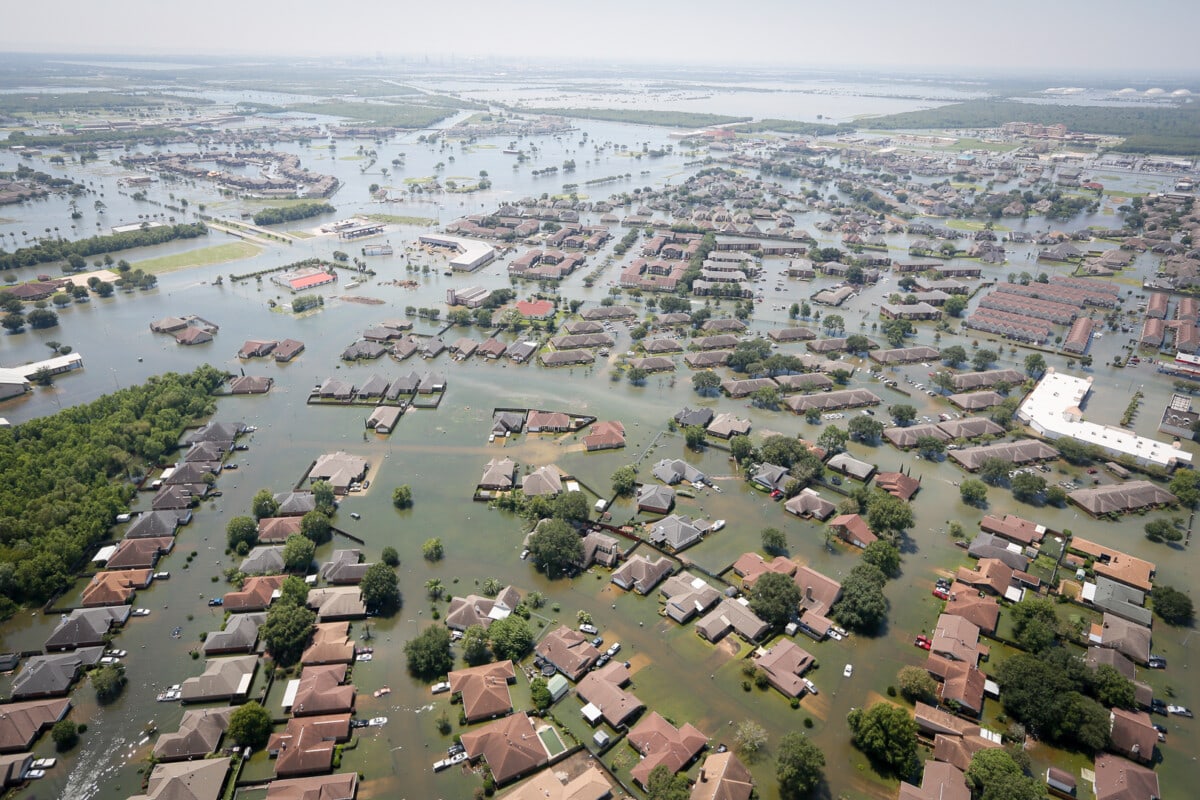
{"points": [[1053, 409]]}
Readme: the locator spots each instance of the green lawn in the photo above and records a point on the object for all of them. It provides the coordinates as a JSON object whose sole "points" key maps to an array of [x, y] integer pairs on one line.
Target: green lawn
{"points": [[394, 219], [205, 256], [972, 225]]}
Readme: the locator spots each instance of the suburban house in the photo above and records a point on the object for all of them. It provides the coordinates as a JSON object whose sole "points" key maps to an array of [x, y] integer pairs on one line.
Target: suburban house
{"points": [[1132, 735], [784, 665], [957, 639], [240, 635], [687, 595], [549, 784], [818, 593], [1118, 778], [673, 470], [660, 742], [732, 616], [203, 779], [726, 426], [940, 781], [677, 532], [86, 627], [599, 548], [222, 679], [605, 436], [345, 567], [484, 689], [770, 477], [850, 466], [115, 587], [545, 481], [604, 696], [569, 651], [477, 610], [641, 575], [198, 736], [810, 504], [22, 723], [53, 674], [340, 786], [852, 529], [510, 746], [306, 745], [336, 603], [655, 499], [723, 777], [255, 595], [331, 644], [499, 474], [320, 690], [339, 470], [975, 606], [1128, 638]]}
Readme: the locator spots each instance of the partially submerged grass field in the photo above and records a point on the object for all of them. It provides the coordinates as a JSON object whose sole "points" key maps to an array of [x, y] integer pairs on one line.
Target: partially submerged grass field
{"points": [[395, 219], [203, 257]]}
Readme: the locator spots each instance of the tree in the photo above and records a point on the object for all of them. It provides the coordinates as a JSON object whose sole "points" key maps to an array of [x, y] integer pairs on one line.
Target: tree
{"points": [[13, 322], [637, 376], [1111, 688], [954, 355], [402, 496], [241, 530], [1056, 496], [511, 638], [955, 305], [857, 343], [249, 725], [41, 318], [107, 682], [1035, 365], [775, 598], [973, 492], [799, 766], [896, 330], [316, 527], [264, 504], [428, 654], [884, 555], [571, 507], [887, 513], [1035, 624], [749, 738], [624, 480], [380, 588], [863, 607], [65, 735], [286, 630], [930, 447], [773, 541], [766, 397], [994, 471], [1160, 530], [475, 646], [887, 735], [741, 448], [834, 323], [917, 685], [1174, 606], [706, 382], [298, 552], [324, 497], [1028, 487], [662, 785], [293, 590], [694, 437], [432, 550], [865, 429], [539, 693], [902, 413], [390, 557], [555, 548], [983, 359], [994, 775], [1186, 486], [832, 439]]}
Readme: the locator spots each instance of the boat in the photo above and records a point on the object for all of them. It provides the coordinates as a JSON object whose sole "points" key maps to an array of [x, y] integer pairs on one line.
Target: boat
{"points": [[170, 694], [382, 691], [716, 526], [377, 722]]}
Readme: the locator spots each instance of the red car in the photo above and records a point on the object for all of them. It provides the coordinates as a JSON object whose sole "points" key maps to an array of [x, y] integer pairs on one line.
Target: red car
{"points": [[776, 495], [941, 594], [923, 642], [1092, 471]]}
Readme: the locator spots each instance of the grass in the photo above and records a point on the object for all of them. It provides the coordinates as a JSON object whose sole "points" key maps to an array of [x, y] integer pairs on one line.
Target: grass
{"points": [[395, 219], [300, 234], [388, 114], [203, 257], [670, 119], [972, 225], [980, 144], [283, 202], [414, 181]]}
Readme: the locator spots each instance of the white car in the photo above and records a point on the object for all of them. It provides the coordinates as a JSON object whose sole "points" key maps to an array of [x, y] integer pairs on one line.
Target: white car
{"points": [[812, 688], [613, 649], [837, 637], [140, 612], [848, 671], [44, 763], [589, 629], [34, 774], [438, 688]]}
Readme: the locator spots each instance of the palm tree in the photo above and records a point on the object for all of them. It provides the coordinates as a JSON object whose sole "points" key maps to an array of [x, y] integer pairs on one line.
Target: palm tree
{"points": [[435, 588]]}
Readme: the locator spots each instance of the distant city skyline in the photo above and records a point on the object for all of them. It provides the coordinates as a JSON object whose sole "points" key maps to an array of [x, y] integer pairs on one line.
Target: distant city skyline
{"points": [[1068, 37]]}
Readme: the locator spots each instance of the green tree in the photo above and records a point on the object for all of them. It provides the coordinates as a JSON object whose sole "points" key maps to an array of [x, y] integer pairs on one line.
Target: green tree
{"points": [[930, 447], [571, 507], [662, 785], [624, 480], [888, 513], [555, 548], [402, 496], [380, 589], [511, 638], [539, 693], [1028, 487], [706, 382], [1172, 605], [434, 588], [428, 654], [834, 323], [917, 685], [865, 429], [833, 439], [286, 630], [475, 646], [863, 607], [390, 557], [973, 492], [775, 598], [65, 735], [994, 775], [1111, 688], [694, 437], [1035, 365], [13, 322], [294, 590], [249, 726], [637, 376], [955, 305], [857, 343], [41, 318], [264, 504], [298, 552], [994, 471], [954, 355], [241, 530], [316, 527], [741, 448], [983, 358], [799, 766], [324, 497], [774, 542], [1160, 530], [884, 555], [432, 550], [1035, 624], [1186, 486], [887, 735], [749, 739], [766, 397], [1056, 496], [107, 682], [902, 413]]}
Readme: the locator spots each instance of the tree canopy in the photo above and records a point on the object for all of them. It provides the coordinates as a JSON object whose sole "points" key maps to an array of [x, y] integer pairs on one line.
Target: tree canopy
{"points": [[555, 548], [286, 630], [994, 775], [380, 589], [428, 654], [250, 725], [863, 607], [510, 638], [775, 598], [887, 735], [799, 766], [1172, 605]]}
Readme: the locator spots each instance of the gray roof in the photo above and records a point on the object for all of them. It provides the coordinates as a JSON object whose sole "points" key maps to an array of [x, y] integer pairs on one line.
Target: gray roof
{"points": [[266, 560], [1122, 600], [295, 504], [770, 476], [85, 627], [694, 416], [986, 545], [240, 633], [345, 566], [849, 465], [152, 524], [1128, 496], [673, 470], [676, 531], [641, 574], [1020, 452], [222, 678], [199, 732], [53, 674]]}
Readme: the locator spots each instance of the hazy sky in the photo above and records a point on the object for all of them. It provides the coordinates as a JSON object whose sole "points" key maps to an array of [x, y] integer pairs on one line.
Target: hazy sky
{"points": [[1113, 36]]}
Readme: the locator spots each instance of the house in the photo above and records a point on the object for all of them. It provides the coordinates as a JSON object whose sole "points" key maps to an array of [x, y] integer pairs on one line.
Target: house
{"points": [[974, 606], [569, 651], [1022, 531], [726, 426], [723, 777], [732, 616], [818, 593], [53, 674], [660, 742], [510, 746], [549, 784], [544, 481], [955, 740], [240, 635], [673, 470], [156, 524], [771, 477], [140, 553], [785, 664], [940, 782], [287, 349], [810, 504], [116, 587], [331, 644], [852, 529], [333, 389], [1119, 778], [320, 689], [697, 416], [476, 610], [655, 499], [605, 436], [86, 627], [484, 689], [898, 484], [294, 504], [962, 684], [850, 466], [337, 603], [195, 780], [198, 736], [192, 336], [677, 532], [344, 567], [1132, 735], [342, 786], [640, 574], [263, 561], [255, 595], [985, 545], [957, 639], [1117, 598], [1128, 638], [499, 474], [307, 744], [339, 470], [687, 595], [22, 723], [547, 422], [605, 698], [749, 566], [1115, 565], [222, 679], [599, 548]]}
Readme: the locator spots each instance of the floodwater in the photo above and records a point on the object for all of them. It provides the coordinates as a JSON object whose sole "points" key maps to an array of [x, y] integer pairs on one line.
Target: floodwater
{"points": [[440, 453]]}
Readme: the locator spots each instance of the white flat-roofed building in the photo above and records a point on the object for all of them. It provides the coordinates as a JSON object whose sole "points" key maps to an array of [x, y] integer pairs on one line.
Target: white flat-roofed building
{"points": [[471, 254], [1053, 410]]}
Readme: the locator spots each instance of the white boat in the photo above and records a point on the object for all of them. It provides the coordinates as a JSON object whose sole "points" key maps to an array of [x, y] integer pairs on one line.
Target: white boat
{"points": [[377, 722], [716, 526], [44, 763], [363, 657]]}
